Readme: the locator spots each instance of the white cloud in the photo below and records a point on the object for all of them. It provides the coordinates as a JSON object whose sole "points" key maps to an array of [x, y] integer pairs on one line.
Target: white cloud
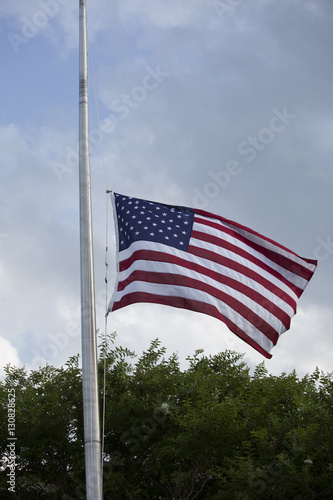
{"points": [[162, 14], [308, 343], [8, 355]]}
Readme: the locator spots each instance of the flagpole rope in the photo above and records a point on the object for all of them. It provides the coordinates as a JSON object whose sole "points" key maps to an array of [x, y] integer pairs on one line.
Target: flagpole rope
{"points": [[106, 256], [106, 315], [97, 113]]}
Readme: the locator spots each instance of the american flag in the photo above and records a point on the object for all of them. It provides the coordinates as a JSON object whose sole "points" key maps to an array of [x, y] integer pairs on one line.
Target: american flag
{"points": [[192, 259]]}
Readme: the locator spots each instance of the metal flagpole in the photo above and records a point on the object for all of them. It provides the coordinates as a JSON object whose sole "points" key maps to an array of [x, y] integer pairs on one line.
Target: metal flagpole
{"points": [[92, 440]]}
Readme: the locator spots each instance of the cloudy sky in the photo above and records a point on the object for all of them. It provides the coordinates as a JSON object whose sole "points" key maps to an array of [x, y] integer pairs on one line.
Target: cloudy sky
{"points": [[225, 105]]}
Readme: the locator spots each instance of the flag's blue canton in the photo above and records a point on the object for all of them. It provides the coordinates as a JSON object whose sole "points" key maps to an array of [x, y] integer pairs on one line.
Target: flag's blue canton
{"points": [[145, 220]]}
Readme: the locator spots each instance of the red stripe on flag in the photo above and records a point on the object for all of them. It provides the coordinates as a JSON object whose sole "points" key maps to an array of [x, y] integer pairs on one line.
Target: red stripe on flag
{"points": [[237, 306], [229, 263], [274, 256], [245, 255], [251, 231], [154, 256], [192, 305]]}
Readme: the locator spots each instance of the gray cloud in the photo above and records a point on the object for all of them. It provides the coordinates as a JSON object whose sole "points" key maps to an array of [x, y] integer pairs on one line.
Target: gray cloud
{"points": [[225, 77]]}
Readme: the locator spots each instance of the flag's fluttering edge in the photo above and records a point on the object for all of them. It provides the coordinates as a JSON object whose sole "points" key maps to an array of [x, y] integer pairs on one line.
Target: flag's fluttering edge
{"points": [[192, 259]]}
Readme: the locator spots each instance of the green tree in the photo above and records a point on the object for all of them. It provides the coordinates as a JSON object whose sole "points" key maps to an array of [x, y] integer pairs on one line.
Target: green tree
{"points": [[215, 432], [212, 431], [48, 430]]}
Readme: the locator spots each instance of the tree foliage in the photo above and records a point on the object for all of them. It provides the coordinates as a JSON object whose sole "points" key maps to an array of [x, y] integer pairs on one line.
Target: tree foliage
{"points": [[212, 431]]}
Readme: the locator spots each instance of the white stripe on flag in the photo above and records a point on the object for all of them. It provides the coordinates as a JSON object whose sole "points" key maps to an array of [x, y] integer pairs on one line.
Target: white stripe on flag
{"points": [[166, 269], [290, 276], [156, 289]]}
